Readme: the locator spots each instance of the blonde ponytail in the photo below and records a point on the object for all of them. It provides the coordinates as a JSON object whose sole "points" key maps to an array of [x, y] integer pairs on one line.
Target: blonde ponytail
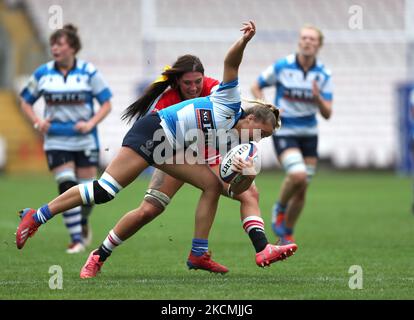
{"points": [[263, 111]]}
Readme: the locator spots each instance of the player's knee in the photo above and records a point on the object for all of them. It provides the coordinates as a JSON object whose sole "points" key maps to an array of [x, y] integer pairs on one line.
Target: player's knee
{"points": [[295, 167], [159, 200], [65, 179], [298, 179], [253, 192], [66, 185], [214, 189], [251, 195], [100, 194], [210, 184], [87, 207], [148, 212], [214, 184], [99, 191]]}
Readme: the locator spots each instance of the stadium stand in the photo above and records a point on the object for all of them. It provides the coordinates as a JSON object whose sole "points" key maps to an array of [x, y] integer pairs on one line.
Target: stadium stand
{"points": [[131, 41], [21, 148]]}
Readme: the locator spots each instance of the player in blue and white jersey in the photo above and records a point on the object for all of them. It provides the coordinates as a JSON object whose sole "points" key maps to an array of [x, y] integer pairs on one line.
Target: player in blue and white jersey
{"points": [[69, 125], [303, 89], [187, 81], [221, 110]]}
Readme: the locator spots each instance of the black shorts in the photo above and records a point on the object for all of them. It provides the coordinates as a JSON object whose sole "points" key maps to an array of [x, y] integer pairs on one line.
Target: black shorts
{"points": [[308, 145], [86, 158], [140, 137]]}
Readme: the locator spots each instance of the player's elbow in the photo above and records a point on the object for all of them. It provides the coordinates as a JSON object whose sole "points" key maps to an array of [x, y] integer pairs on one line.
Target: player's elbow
{"points": [[23, 103], [326, 110], [256, 90], [327, 114], [108, 106]]}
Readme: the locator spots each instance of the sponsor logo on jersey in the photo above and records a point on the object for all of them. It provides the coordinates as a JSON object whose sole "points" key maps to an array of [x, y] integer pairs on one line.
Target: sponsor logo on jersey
{"points": [[57, 98], [205, 119], [298, 94]]}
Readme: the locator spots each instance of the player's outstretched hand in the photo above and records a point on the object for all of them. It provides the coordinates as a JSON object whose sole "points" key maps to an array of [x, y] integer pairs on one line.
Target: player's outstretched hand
{"points": [[249, 30]]}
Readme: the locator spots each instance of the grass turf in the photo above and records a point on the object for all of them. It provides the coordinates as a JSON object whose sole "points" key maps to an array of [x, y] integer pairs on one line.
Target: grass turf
{"points": [[351, 218]]}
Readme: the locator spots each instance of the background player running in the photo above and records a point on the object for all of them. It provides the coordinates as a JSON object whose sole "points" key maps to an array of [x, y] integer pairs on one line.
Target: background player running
{"points": [[303, 88]]}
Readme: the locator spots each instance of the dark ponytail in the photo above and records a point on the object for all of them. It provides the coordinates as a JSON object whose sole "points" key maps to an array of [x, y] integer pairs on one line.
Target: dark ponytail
{"points": [[141, 106], [170, 76]]}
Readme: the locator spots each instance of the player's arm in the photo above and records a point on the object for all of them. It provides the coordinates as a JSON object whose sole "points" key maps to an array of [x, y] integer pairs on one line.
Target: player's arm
{"points": [[267, 78], [41, 125], [28, 98], [28, 111], [102, 94], [325, 106], [86, 126], [257, 92], [235, 54]]}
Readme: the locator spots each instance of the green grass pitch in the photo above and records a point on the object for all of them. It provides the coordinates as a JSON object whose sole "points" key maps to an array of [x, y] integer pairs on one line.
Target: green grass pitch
{"points": [[351, 218]]}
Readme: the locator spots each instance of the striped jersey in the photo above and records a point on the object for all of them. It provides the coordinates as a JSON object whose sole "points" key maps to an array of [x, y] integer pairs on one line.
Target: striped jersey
{"points": [[68, 99], [220, 110], [294, 94], [172, 96]]}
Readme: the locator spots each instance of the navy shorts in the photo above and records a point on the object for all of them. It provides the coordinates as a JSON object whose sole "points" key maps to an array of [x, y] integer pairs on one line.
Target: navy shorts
{"points": [[308, 145], [140, 137], [86, 158]]}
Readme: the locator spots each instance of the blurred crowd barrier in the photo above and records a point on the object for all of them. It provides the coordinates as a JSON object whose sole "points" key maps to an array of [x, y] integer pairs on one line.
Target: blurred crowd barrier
{"points": [[365, 47]]}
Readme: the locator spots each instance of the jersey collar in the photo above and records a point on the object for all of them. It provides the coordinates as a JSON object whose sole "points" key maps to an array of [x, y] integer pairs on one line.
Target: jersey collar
{"points": [[75, 64], [301, 68]]}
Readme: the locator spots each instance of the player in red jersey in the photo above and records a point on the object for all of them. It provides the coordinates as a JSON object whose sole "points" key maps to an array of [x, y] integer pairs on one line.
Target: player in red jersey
{"points": [[190, 84]]}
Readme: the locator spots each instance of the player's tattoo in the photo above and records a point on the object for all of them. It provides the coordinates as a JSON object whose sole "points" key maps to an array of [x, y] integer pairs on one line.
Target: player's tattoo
{"points": [[157, 179]]}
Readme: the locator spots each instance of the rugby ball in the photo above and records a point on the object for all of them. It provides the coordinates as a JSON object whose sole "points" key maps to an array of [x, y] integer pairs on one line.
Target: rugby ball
{"points": [[244, 150]]}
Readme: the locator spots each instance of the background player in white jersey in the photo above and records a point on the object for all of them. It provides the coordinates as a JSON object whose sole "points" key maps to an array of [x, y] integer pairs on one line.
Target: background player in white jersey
{"points": [[69, 86], [303, 88], [139, 150]]}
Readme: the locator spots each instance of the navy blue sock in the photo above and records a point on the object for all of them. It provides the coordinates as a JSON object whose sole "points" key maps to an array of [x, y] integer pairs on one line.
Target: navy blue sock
{"points": [[288, 231], [43, 214], [199, 246], [280, 208]]}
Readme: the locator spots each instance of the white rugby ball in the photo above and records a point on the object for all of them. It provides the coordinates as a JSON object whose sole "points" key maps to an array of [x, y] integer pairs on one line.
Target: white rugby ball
{"points": [[244, 150]]}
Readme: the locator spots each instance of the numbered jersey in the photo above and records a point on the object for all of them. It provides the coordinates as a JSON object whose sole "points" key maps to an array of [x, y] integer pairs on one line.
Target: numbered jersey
{"points": [[220, 110], [294, 94]]}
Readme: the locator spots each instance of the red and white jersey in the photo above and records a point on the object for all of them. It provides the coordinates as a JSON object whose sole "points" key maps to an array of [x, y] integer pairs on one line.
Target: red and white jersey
{"points": [[172, 96]]}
